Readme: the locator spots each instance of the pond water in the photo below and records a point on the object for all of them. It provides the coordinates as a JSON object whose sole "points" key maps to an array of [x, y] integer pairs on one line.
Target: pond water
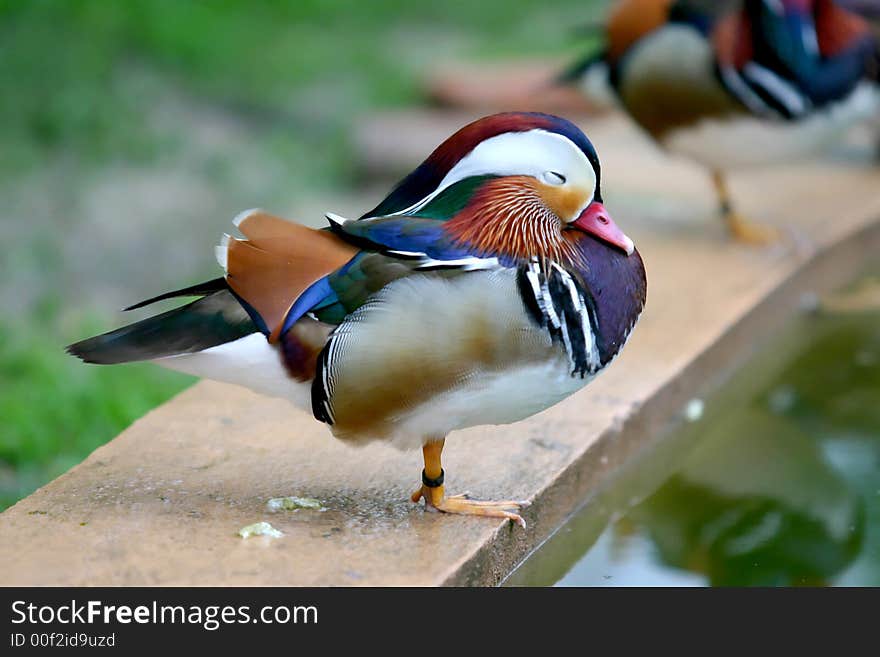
{"points": [[776, 483]]}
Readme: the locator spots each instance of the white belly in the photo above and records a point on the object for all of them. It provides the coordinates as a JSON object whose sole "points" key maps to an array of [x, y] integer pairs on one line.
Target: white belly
{"points": [[750, 140], [250, 362]]}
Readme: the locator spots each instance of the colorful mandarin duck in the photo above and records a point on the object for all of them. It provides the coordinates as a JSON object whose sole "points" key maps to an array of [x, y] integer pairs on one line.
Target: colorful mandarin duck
{"points": [[737, 84], [490, 284]]}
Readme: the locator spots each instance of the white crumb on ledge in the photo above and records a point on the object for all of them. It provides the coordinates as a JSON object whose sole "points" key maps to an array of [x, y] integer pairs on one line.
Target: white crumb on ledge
{"points": [[259, 529], [293, 503]]}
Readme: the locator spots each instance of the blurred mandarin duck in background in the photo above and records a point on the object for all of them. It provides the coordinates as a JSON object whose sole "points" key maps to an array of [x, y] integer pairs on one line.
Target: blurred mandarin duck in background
{"points": [[867, 9], [737, 84], [870, 11], [490, 284]]}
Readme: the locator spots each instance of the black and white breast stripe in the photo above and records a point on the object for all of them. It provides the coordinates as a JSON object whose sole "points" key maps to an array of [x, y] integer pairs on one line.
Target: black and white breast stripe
{"points": [[322, 385], [558, 303], [765, 92]]}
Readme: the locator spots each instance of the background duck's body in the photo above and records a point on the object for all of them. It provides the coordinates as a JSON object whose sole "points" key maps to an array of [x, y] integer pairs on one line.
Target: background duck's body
{"points": [[733, 85], [670, 85], [488, 286], [870, 11]]}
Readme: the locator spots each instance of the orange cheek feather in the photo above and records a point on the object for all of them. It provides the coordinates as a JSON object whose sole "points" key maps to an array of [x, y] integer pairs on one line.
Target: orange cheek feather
{"points": [[566, 202], [520, 217]]}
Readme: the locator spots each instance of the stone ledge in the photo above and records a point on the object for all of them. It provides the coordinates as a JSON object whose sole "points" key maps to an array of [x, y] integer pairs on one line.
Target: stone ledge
{"points": [[161, 503]]}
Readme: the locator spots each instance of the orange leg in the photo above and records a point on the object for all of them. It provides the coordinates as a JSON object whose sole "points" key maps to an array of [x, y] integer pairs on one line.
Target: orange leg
{"points": [[433, 493], [740, 228]]}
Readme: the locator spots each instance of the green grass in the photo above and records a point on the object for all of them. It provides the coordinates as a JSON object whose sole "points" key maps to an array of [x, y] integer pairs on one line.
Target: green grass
{"points": [[56, 410], [82, 82], [70, 62]]}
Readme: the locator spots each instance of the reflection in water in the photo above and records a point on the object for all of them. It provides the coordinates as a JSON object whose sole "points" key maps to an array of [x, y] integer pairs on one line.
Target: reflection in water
{"points": [[778, 484], [742, 514]]}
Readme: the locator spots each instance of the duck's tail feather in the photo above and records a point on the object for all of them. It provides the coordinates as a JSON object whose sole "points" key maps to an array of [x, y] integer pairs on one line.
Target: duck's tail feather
{"points": [[576, 71], [198, 290], [213, 320]]}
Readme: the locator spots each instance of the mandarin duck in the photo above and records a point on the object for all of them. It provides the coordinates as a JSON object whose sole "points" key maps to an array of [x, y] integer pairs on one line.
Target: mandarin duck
{"points": [[737, 84], [490, 284]]}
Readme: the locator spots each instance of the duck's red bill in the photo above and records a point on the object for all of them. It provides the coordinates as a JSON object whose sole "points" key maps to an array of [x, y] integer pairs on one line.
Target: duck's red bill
{"points": [[596, 221]]}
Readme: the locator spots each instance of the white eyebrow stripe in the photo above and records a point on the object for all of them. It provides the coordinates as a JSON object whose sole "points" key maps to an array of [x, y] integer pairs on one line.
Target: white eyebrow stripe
{"points": [[530, 152]]}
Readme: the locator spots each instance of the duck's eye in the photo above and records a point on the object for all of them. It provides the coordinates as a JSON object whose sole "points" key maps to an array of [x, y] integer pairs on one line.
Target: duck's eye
{"points": [[554, 178]]}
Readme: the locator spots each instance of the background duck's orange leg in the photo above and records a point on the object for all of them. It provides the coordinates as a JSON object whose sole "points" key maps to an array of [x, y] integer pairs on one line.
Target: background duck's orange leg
{"points": [[433, 491], [740, 228]]}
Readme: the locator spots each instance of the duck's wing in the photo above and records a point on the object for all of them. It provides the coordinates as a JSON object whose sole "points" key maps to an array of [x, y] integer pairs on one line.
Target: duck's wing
{"points": [[283, 271], [279, 264]]}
